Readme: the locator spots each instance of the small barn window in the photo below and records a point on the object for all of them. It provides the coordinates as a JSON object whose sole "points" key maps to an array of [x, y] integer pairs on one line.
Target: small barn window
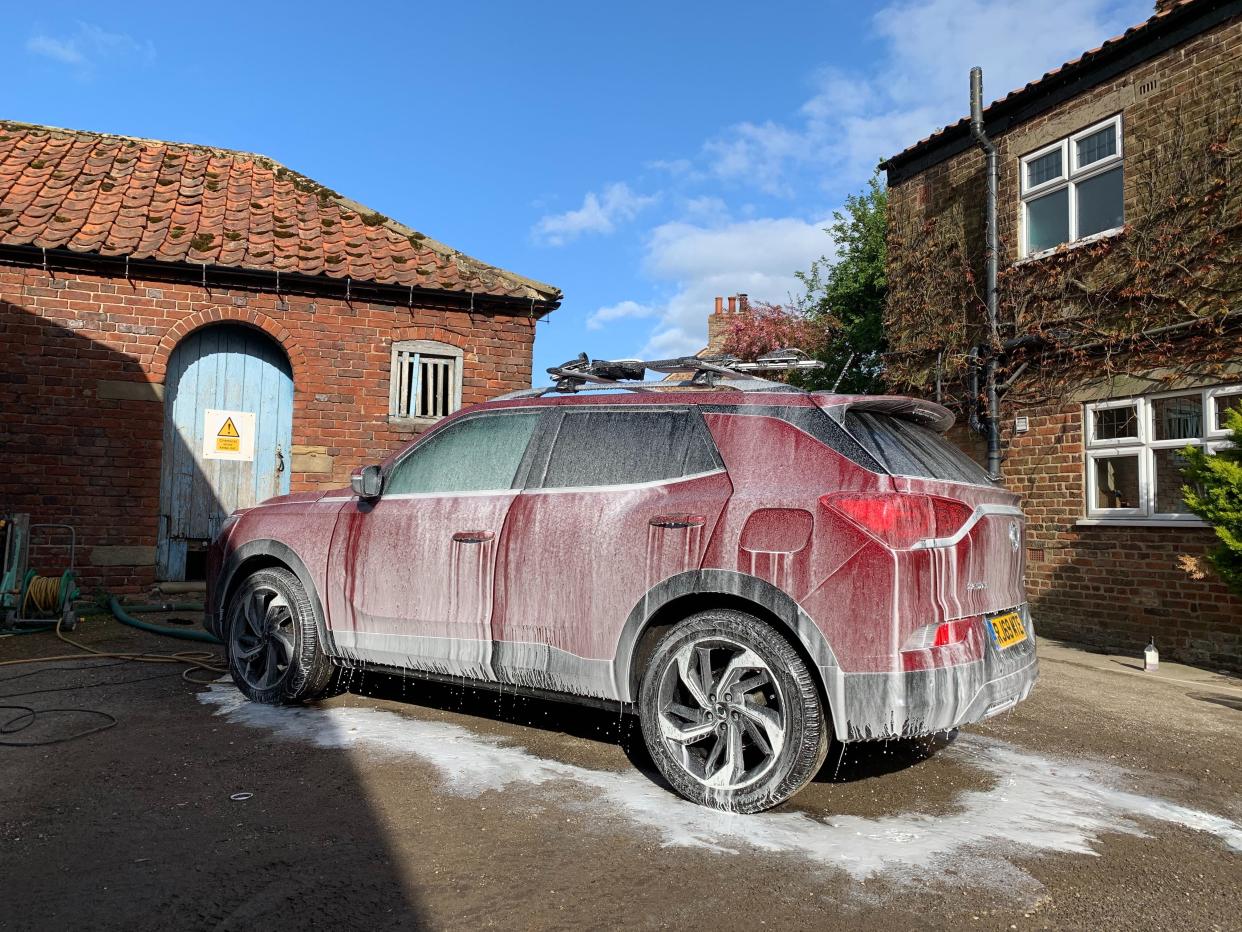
{"points": [[426, 380]]}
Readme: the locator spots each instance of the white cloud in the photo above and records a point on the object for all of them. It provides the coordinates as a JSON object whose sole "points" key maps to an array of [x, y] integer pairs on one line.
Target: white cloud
{"points": [[626, 309], [919, 84], [756, 153], [672, 166], [61, 50], [87, 45], [598, 214], [754, 257]]}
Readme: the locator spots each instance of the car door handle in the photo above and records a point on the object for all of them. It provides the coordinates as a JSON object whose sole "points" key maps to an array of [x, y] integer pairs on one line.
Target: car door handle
{"points": [[473, 537], [677, 521]]}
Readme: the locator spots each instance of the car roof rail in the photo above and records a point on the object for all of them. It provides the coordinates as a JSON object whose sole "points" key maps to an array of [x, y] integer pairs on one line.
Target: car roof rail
{"points": [[705, 372]]}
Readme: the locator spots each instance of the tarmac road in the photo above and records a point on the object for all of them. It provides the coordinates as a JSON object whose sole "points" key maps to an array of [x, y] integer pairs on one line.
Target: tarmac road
{"points": [[1111, 799]]}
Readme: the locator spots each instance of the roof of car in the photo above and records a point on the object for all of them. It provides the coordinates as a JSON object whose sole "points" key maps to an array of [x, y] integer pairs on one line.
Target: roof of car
{"points": [[928, 413]]}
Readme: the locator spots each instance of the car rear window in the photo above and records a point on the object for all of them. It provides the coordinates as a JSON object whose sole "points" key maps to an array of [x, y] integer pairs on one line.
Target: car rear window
{"points": [[905, 448]]}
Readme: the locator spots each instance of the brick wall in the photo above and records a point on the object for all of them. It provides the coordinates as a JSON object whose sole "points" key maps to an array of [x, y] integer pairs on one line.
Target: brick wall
{"points": [[1169, 100], [1111, 586], [1107, 585], [81, 413]]}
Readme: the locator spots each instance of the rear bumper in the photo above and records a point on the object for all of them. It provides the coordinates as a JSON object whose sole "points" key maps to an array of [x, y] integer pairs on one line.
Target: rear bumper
{"points": [[878, 706]]}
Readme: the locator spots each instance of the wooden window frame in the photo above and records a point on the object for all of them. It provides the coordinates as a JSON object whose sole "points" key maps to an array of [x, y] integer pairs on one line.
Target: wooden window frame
{"points": [[399, 390]]}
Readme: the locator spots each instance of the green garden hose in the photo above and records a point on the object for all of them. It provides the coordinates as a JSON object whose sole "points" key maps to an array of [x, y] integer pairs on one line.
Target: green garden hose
{"points": [[122, 615]]}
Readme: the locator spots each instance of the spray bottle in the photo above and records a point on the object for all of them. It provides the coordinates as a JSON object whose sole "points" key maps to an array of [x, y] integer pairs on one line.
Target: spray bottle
{"points": [[1151, 657]]}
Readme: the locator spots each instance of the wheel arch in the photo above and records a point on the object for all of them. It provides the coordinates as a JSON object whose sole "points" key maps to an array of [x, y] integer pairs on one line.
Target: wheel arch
{"points": [[694, 591], [259, 554]]}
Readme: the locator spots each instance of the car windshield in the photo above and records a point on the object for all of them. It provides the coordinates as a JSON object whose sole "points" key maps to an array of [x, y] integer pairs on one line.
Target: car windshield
{"points": [[909, 449]]}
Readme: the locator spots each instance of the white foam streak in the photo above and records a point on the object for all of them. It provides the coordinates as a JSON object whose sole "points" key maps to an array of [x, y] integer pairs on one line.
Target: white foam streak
{"points": [[1037, 805]]}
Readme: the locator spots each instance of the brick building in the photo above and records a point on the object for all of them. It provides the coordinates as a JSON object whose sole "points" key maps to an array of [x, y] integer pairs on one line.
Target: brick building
{"points": [[187, 330], [1120, 217]]}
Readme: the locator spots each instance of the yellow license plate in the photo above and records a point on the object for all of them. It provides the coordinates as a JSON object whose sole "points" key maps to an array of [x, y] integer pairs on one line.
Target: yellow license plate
{"points": [[1008, 629]]}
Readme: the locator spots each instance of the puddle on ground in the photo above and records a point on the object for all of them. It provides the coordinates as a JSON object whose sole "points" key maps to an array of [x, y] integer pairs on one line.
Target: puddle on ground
{"points": [[1035, 804]]}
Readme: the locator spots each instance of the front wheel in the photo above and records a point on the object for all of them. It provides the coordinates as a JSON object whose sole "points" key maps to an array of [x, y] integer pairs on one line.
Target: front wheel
{"points": [[273, 644], [731, 714]]}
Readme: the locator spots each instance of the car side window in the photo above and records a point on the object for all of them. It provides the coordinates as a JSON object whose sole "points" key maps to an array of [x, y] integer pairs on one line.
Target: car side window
{"points": [[478, 454], [595, 448]]}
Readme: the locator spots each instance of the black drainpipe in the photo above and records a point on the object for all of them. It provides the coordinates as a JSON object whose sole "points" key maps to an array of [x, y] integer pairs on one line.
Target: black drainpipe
{"points": [[991, 422]]}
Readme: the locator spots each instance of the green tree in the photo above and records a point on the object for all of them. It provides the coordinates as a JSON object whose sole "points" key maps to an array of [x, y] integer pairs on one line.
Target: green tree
{"points": [[1214, 493], [847, 293]]}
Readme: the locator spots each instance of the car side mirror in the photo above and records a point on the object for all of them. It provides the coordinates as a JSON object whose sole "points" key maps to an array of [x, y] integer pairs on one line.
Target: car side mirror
{"points": [[366, 482]]}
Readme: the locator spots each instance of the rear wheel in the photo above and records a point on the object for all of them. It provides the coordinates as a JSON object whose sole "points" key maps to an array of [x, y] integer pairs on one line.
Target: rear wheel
{"points": [[273, 644], [731, 714]]}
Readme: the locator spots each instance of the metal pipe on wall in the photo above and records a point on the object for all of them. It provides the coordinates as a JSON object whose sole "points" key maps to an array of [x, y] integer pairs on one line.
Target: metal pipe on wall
{"points": [[992, 418]]}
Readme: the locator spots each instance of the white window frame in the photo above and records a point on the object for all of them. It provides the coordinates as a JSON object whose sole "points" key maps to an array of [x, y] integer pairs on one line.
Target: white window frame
{"points": [[1145, 447], [1216, 429], [1070, 178], [400, 389]]}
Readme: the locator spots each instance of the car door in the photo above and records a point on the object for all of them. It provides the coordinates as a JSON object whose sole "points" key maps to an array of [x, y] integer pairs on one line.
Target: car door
{"points": [[416, 567], [617, 500]]}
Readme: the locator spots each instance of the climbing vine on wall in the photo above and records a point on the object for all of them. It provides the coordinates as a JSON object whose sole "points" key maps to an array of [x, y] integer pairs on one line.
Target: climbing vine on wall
{"points": [[1156, 296]]}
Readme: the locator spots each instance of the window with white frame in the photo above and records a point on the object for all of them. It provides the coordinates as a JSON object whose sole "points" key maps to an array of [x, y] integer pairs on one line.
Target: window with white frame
{"points": [[426, 380], [1134, 449], [1073, 188]]}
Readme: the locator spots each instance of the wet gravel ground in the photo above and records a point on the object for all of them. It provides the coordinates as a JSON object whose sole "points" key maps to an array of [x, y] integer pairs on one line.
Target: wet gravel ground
{"points": [[1108, 800]]}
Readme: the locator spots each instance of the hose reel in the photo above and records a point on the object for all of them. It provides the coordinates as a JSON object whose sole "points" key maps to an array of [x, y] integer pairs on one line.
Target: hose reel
{"points": [[29, 601]]}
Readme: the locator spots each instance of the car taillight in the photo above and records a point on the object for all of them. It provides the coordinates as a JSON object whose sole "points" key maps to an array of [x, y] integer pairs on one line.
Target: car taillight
{"points": [[901, 519], [950, 516], [940, 635]]}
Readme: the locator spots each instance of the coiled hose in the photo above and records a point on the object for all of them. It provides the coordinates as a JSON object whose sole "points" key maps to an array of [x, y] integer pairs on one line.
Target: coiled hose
{"points": [[49, 594]]}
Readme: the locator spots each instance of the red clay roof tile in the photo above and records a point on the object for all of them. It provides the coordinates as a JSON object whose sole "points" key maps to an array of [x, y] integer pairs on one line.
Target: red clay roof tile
{"points": [[173, 202]]}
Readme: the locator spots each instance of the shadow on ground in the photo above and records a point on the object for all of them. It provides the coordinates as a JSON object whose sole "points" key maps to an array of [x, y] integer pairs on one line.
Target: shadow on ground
{"points": [[1229, 702], [137, 827], [844, 764]]}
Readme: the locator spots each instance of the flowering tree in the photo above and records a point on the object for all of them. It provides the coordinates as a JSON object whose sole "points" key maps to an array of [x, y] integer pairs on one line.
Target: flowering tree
{"points": [[767, 327]]}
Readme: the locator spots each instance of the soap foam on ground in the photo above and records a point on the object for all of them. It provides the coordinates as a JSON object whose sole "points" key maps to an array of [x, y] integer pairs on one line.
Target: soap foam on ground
{"points": [[1037, 805]]}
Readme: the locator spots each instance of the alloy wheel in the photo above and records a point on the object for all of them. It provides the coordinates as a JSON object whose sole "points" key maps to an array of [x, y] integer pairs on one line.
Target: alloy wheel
{"points": [[722, 715], [262, 638]]}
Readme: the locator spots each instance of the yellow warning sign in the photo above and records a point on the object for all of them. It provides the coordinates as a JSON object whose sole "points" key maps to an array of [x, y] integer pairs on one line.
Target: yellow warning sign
{"points": [[228, 435], [228, 440]]}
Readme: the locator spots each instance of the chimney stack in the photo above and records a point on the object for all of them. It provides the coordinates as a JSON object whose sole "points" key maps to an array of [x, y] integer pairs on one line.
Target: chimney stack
{"points": [[718, 322]]}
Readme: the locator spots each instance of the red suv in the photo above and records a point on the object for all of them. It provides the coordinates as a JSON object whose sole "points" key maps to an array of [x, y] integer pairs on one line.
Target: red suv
{"points": [[758, 570]]}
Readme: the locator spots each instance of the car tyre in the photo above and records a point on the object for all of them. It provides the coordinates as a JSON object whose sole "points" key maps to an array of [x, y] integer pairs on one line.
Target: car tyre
{"points": [[731, 713], [274, 652]]}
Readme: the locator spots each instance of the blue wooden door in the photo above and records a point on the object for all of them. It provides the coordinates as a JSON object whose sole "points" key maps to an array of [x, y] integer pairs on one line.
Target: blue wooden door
{"points": [[222, 368]]}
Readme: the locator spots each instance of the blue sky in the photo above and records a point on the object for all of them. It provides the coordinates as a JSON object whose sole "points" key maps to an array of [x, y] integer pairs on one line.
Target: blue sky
{"points": [[644, 157]]}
